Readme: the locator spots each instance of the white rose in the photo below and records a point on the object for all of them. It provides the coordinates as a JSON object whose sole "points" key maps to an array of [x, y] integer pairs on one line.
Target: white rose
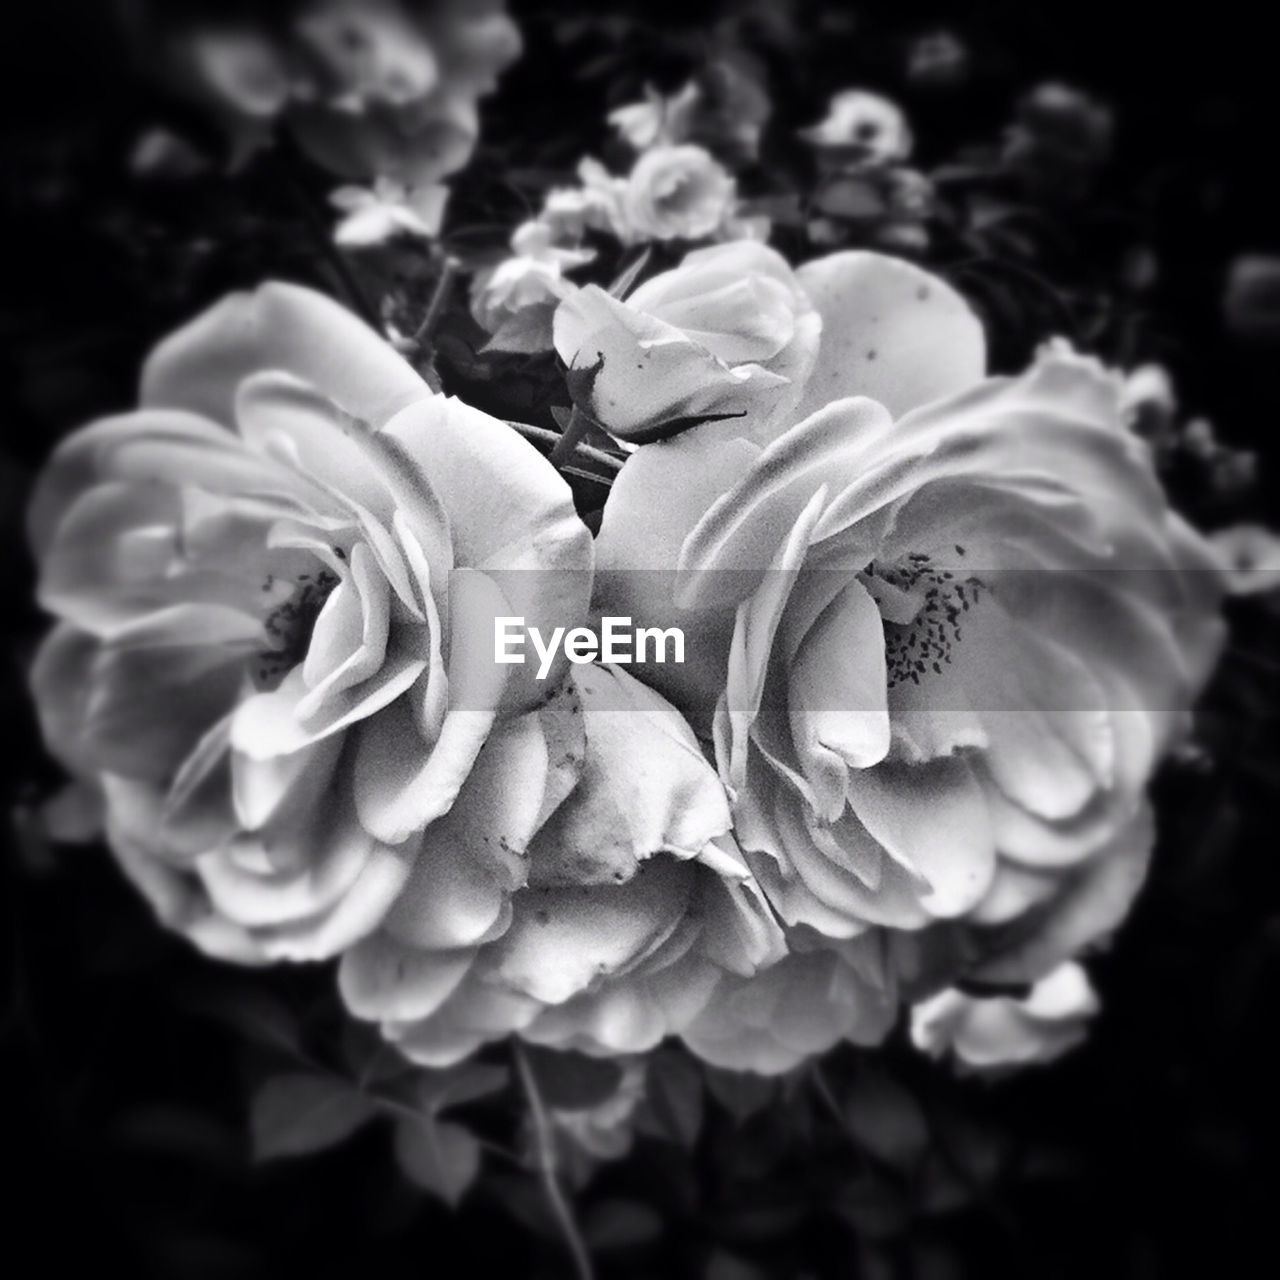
{"points": [[678, 193], [727, 333]]}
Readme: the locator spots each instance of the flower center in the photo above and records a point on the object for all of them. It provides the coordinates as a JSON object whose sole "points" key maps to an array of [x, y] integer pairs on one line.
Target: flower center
{"points": [[931, 604], [289, 625]]}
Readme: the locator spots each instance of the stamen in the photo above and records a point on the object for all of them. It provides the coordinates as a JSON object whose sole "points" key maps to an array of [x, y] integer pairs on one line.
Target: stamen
{"points": [[925, 643], [289, 626]]}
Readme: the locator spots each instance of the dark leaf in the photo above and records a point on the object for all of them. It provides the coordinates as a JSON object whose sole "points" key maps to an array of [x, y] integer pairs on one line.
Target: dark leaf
{"points": [[299, 1113], [620, 1224], [437, 1156]]}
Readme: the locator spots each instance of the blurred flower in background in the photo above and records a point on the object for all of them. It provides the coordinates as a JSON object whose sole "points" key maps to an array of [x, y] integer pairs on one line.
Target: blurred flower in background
{"points": [[1251, 303], [938, 59], [658, 119], [367, 88], [678, 193], [1060, 140], [1251, 555], [865, 194], [724, 108], [375, 215], [514, 300], [672, 193], [860, 129]]}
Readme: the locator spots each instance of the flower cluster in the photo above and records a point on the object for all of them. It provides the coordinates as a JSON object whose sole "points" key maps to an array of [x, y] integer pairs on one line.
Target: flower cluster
{"points": [[941, 628]]}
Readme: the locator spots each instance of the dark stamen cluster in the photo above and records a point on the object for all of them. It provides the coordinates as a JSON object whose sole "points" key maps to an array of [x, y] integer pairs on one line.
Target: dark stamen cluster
{"points": [[290, 625], [923, 645]]}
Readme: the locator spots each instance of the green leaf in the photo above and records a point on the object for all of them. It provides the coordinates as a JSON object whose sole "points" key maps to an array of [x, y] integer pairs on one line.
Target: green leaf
{"points": [[437, 1091], [437, 1156], [297, 1113]]}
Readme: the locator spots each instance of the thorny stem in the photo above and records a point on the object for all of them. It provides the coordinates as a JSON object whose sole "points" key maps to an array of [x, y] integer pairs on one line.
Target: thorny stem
{"points": [[540, 435], [568, 442], [547, 1166], [440, 295]]}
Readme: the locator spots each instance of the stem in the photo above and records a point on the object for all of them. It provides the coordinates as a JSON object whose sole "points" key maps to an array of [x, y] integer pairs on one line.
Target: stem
{"points": [[540, 435], [824, 1091], [569, 439], [547, 1166], [440, 295]]}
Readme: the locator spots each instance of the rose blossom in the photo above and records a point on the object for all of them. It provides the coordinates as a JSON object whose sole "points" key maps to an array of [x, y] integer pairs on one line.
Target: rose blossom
{"points": [[1251, 299], [515, 299], [860, 129], [1250, 555], [993, 1034], [727, 332], [594, 205], [942, 629], [677, 193], [369, 88], [263, 656], [633, 902]]}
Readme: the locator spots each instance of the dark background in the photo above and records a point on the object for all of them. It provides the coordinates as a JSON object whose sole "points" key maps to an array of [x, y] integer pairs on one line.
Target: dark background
{"points": [[1149, 1153]]}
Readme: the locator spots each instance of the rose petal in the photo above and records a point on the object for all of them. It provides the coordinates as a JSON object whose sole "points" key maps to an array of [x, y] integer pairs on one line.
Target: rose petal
{"points": [[279, 327], [890, 331]]}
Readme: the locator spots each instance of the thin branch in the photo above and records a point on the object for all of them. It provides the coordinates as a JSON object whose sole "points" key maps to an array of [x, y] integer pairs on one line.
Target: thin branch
{"points": [[440, 295], [545, 1144]]}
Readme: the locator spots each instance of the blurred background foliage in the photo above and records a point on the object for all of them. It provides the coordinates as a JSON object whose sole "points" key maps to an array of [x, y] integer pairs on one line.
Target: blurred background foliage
{"points": [[130, 1063]]}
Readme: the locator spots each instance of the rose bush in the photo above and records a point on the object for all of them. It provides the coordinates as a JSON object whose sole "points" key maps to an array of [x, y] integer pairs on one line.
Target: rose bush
{"points": [[727, 333], [942, 629], [264, 658]]}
